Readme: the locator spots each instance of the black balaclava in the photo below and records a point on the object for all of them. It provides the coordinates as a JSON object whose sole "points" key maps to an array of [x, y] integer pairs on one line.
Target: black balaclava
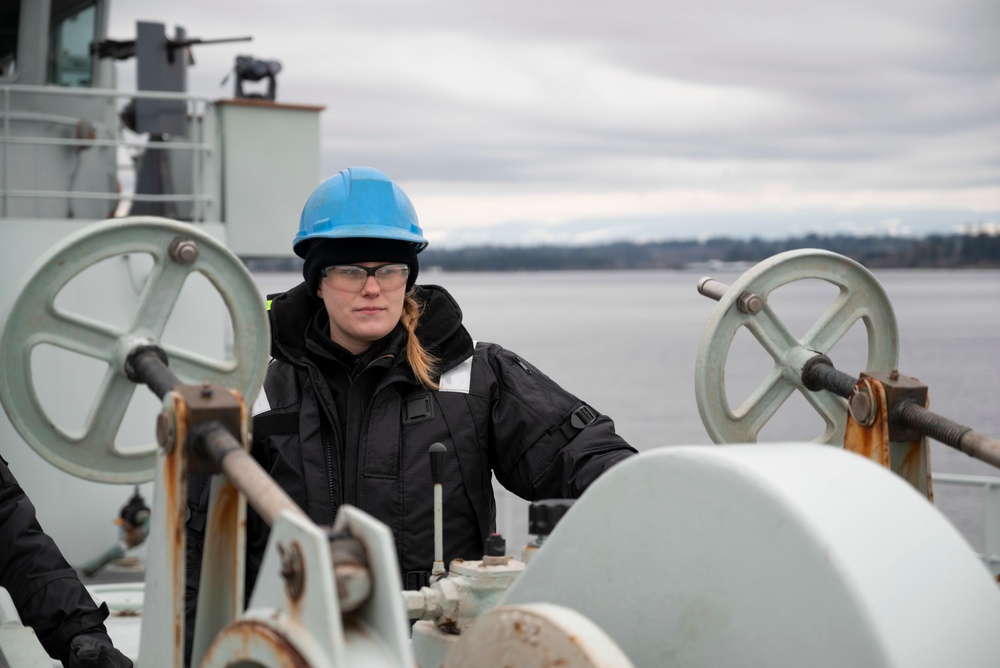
{"points": [[353, 250]]}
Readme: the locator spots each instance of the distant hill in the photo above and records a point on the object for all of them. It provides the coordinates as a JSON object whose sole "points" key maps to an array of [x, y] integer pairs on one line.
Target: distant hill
{"points": [[874, 252], [942, 251]]}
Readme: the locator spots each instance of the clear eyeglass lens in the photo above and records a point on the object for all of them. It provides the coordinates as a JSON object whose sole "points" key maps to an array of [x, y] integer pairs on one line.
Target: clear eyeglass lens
{"points": [[388, 276]]}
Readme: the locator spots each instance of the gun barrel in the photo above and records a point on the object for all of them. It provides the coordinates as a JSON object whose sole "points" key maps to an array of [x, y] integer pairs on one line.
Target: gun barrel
{"points": [[195, 41]]}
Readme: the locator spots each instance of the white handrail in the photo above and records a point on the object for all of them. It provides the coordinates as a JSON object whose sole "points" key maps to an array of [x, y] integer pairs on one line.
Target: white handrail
{"points": [[204, 194]]}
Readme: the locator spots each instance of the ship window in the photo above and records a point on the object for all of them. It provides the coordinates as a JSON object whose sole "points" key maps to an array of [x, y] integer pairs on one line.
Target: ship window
{"points": [[10, 23], [70, 34]]}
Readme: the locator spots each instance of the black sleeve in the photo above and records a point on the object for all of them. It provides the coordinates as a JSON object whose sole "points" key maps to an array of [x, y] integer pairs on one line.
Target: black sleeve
{"points": [[46, 591], [545, 442]]}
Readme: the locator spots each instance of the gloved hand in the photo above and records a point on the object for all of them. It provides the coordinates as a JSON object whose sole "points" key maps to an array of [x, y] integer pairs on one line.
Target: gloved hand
{"points": [[88, 652]]}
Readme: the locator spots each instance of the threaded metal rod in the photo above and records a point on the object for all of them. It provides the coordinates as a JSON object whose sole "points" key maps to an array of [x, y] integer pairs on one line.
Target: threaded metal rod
{"points": [[148, 365], [953, 434], [820, 374]]}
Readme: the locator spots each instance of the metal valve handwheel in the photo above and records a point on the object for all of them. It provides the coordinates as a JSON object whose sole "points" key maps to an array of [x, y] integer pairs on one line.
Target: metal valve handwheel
{"points": [[178, 250], [861, 298]]}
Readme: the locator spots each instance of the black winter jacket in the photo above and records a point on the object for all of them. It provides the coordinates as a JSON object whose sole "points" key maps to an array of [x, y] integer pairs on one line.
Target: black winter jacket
{"points": [[46, 591], [495, 413]]}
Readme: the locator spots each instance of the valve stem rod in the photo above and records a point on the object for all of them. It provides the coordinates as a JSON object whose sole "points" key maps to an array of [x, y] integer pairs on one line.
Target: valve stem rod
{"points": [[437, 452], [820, 374]]}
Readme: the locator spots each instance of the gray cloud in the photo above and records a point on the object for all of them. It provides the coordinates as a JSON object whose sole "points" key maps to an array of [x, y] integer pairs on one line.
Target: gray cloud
{"points": [[894, 103]]}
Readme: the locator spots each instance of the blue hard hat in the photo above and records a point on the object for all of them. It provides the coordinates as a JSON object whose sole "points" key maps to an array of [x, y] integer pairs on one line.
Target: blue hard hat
{"points": [[358, 202]]}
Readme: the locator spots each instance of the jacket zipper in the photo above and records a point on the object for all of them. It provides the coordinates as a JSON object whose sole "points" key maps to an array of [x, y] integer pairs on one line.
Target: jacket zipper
{"points": [[335, 502], [328, 451], [327, 436]]}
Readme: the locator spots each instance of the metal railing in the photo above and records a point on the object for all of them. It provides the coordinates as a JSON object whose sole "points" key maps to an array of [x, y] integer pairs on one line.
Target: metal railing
{"points": [[990, 486], [204, 194]]}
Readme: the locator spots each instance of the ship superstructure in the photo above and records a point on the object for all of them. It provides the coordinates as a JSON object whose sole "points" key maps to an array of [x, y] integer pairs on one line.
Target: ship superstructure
{"points": [[74, 149]]}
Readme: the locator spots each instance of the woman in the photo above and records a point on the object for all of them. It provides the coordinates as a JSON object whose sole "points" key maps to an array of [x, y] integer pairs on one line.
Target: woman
{"points": [[370, 369]]}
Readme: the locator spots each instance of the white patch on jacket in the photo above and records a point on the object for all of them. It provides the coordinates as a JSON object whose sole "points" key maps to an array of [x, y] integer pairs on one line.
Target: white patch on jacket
{"points": [[458, 379]]}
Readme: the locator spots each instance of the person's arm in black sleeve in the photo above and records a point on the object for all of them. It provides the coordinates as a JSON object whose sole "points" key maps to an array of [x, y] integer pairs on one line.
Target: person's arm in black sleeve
{"points": [[46, 591], [546, 443]]}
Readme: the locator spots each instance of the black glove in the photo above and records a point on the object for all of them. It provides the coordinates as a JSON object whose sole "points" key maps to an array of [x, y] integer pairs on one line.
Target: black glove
{"points": [[88, 652]]}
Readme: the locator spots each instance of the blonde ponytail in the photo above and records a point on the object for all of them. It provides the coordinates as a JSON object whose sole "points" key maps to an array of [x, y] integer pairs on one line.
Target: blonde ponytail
{"points": [[421, 361]]}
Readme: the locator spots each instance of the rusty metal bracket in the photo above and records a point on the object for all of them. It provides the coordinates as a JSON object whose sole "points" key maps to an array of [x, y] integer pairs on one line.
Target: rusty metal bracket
{"points": [[906, 402], [899, 388], [867, 432], [208, 407], [870, 431]]}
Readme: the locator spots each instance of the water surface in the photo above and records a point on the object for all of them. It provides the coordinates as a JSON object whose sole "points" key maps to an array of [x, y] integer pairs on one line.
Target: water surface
{"points": [[626, 342]]}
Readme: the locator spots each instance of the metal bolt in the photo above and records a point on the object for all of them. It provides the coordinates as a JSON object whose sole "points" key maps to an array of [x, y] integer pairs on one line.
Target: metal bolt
{"points": [[165, 434], [862, 406], [206, 390], [183, 251], [291, 569], [712, 288], [894, 374], [749, 303], [354, 585]]}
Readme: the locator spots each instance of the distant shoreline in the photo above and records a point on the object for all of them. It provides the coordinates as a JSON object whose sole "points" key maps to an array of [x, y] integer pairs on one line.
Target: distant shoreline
{"points": [[980, 251]]}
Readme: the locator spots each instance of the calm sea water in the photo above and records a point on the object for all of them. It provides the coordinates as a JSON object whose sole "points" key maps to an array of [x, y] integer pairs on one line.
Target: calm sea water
{"points": [[626, 343]]}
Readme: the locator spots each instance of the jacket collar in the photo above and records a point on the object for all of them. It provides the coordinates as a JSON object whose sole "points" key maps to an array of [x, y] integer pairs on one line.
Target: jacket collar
{"points": [[440, 329]]}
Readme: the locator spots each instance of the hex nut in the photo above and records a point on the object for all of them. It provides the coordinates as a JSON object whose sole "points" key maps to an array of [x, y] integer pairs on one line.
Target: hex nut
{"points": [[183, 251], [862, 406], [749, 303]]}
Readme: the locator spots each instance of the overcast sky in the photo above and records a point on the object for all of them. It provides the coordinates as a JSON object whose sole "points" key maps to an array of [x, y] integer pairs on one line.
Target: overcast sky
{"points": [[581, 121]]}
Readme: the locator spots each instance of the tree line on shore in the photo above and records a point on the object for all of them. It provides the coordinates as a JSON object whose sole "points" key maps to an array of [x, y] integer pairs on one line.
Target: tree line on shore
{"points": [[939, 251], [935, 251]]}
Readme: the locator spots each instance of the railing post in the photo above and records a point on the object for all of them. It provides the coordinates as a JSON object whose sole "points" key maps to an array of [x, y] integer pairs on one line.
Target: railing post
{"points": [[196, 154], [6, 150], [991, 534]]}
